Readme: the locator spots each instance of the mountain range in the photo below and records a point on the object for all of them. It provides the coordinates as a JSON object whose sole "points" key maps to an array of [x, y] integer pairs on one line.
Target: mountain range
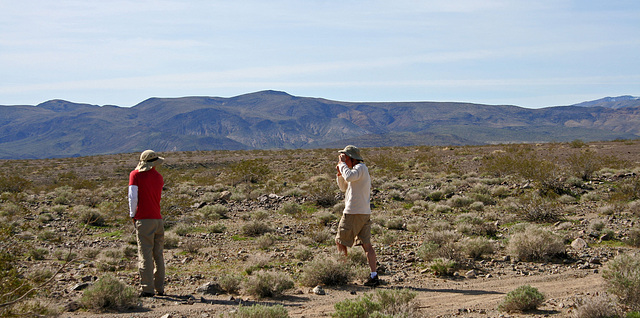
{"points": [[277, 120]]}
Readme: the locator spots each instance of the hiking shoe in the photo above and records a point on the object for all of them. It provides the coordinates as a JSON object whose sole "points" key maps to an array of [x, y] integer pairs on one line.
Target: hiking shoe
{"points": [[145, 294], [372, 281]]}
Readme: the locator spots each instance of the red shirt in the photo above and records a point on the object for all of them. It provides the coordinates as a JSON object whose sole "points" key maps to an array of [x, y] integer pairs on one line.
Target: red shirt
{"points": [[150, 185]]}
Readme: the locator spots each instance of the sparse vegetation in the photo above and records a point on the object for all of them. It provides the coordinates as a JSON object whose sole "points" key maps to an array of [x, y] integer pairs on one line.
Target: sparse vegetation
{"points": [[437, 211]]}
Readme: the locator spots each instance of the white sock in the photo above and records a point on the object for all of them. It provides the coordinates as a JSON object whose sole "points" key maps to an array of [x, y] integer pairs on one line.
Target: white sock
{"points": [[374, 274]]}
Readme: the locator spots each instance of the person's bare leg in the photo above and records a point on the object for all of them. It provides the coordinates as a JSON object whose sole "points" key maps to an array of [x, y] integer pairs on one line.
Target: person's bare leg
{"points": [[371, 256], [342, 249]]}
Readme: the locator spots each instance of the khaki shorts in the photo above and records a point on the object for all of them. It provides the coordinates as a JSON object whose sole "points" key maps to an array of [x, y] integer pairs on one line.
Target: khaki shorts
{"points": [[354, 228]]}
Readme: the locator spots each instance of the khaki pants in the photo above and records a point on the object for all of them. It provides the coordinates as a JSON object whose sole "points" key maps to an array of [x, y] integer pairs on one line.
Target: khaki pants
{"points": [[150, 247]]}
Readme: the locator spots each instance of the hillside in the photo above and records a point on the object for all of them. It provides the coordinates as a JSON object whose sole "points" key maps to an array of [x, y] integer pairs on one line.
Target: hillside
{"points": [[277, 120]]}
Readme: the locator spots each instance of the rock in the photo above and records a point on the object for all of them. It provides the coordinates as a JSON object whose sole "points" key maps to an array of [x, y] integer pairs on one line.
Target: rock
{"points": [[579, 244], [210, 288], [318, 290], [80, 286], [470, 274], [225, 195], [167, 316]]}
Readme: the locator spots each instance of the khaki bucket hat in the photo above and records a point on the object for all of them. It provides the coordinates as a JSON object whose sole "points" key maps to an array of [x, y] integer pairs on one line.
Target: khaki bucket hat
{"points": [[148, 160], [352, 151]]}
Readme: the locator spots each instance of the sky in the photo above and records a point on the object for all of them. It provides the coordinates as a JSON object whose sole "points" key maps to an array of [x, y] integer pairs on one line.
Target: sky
{"points": [[502, 52]]}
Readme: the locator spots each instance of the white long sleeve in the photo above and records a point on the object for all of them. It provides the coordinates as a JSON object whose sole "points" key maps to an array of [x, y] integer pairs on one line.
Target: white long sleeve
{"points": [[356, 184], [133, 200]]}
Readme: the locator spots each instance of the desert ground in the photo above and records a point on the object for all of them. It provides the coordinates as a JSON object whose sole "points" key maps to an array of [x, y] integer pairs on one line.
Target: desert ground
{"points": [[461, 227]]}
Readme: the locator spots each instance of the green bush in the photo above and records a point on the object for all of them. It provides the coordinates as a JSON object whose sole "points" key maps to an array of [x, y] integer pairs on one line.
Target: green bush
{"points": [[622, 276], [260, 311], [524, 298], [267, 284], [108, 293], [442, 267], [382, 303]]}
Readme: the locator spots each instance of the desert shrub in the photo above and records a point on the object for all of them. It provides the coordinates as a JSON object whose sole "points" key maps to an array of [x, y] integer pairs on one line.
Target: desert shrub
{"points": [[265, 241], [214, 212], [566, 199], [441, 208], [477, 247], [539, 210], [326, 271], [231, 284], [585, 163], [381, 303], [325, 218], [338, 208], [634, 237], [442, 266], [90, 216], [64, 255], [607, 209], [597, 225], [436, 195], [600, 306], [523, 298], [459, 201], [304, 254], [577, 143], [535, 244], [255, 228], [90, 253], [192, 246], [395, 224], [440, 244], [108, 293], [291, 208], [260, 215], [260, 311], [523, 163], [622, 276], [182, 229], [477, 206], [320, 235], [357, 257], [13, 183], [321, 190], [216, 228], [250, 171], [37, 254], [627, 190], [171, 241], [500, 191], [266, 284]]}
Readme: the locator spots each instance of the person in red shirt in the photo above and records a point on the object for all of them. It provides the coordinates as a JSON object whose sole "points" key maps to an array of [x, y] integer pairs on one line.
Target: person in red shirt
{"points": [[145, 193]]}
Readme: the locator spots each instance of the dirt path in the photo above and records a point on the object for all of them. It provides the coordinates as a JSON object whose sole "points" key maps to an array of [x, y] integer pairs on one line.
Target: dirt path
{"points": [[436, 298]]}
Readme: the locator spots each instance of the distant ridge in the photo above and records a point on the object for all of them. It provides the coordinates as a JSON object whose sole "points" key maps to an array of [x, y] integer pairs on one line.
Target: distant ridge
{"points": [[277, 120], [613, 102]]}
